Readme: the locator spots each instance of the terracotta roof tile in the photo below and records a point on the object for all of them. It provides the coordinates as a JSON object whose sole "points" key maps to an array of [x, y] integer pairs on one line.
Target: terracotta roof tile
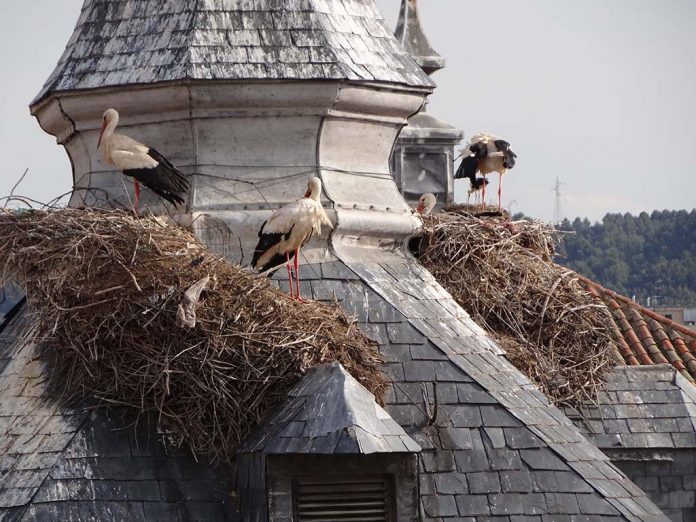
{"points": [[684, 352], [645, 337]]}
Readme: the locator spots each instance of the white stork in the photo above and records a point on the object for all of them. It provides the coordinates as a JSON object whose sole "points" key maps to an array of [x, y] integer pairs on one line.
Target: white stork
{"points": [[144, 164], [426, 204], [486, 153], [288, 230]]}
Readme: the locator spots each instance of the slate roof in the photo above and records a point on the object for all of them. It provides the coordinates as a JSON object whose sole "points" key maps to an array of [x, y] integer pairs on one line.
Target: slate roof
{"points": [[130, 42], [329, 412], [646, 337], [493, 446], [11, 299], [73, 463], [643, 407]]}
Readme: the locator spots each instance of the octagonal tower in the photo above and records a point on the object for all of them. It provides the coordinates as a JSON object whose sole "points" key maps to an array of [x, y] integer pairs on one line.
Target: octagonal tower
{"points": [[249, 99]]}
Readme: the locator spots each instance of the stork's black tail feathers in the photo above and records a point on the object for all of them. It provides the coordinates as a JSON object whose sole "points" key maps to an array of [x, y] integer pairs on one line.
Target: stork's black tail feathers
{"points": [[266, 242], [176, 185], [165, 179]]}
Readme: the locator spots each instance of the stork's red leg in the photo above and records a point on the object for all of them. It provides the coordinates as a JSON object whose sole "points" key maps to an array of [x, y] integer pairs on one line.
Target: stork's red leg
{"points": [[483, 194], [500, 190], [297, 274], [287, 265], [137, 195]]}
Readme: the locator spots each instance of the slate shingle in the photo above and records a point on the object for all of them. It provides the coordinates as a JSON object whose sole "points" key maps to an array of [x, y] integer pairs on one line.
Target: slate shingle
{"points": [[329, 403]]}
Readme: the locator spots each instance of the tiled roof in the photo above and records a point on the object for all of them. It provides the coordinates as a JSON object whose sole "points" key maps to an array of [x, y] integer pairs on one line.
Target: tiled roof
{"points": [[493, 446], [646, 337], [128, 42], [60, 462], [328, 412], [643, 407], [11, 299]]}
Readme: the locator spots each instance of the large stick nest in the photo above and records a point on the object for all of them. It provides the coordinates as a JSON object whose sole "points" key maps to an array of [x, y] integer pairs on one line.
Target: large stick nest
{"points": [[106, 289], [502, 273]]}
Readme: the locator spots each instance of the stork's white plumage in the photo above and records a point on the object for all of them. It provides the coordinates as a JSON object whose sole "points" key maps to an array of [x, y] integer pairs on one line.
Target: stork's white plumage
{"points": [[426, 204], [289, 229], [144, 164], [486, 153]]}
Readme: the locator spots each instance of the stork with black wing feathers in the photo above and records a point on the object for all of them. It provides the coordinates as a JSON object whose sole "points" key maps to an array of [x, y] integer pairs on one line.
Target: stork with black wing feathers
{"points": [[289, 229], [144, 164], [486, 153]]}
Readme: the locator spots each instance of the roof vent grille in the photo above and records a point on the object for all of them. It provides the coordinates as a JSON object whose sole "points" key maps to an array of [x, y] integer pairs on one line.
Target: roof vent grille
{"points": [[344, 498]]}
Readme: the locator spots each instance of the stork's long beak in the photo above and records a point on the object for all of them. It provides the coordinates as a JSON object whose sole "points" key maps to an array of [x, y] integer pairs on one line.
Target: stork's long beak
{"points": [[308, 193], [103, 127], [420, 208]]}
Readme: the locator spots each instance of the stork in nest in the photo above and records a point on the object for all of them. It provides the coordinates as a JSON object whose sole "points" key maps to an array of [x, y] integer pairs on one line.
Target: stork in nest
{"points": [[486, 153], [140, 162], [289, 229]]}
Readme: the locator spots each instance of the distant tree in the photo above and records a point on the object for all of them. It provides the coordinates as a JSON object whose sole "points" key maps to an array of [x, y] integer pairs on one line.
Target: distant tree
{"points": [[644, 255]]}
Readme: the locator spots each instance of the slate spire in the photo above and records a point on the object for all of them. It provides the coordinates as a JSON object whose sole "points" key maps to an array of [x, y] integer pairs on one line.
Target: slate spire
{"points": [[409, 32], [131, 42]]}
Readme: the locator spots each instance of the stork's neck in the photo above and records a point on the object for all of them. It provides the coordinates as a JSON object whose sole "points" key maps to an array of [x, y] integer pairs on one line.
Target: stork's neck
{"points": [[315, 190], [105, 143], [109, 130]]}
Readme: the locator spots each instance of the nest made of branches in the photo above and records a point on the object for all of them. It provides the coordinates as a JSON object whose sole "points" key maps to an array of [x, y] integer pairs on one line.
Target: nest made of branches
{"points": [[502, 272], [107, 288]]}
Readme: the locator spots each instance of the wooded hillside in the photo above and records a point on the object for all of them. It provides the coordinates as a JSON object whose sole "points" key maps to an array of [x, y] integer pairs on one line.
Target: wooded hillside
{"points": [[645, 255]]}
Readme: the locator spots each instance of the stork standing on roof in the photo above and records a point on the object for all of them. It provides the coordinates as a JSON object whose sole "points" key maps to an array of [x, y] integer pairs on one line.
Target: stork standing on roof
{"points": [[144, 164], [288, 230], [486, 153]]}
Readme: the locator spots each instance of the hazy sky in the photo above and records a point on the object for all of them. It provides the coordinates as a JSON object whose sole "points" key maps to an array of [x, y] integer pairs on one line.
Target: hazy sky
{"points": [[597, 92]]}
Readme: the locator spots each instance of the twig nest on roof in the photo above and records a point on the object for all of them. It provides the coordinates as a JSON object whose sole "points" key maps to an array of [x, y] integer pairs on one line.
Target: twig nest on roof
{"points": [[502, 273], [107, 289]]}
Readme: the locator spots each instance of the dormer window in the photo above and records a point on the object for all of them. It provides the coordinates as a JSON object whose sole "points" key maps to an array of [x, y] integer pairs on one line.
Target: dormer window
{"points": [[329, 453]]}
